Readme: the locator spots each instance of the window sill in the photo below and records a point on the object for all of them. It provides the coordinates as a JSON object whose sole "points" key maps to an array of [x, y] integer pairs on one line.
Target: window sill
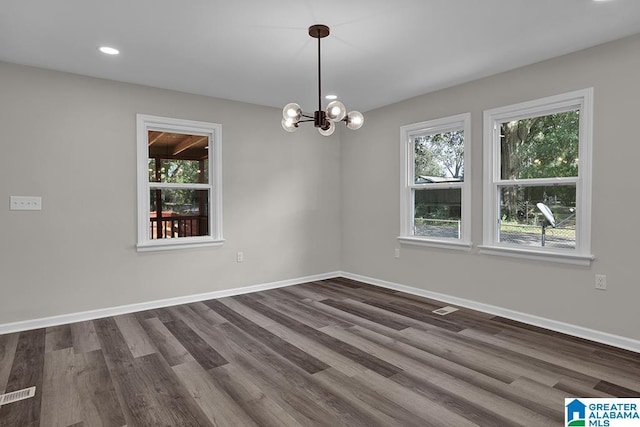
{"points": [[170, 246], [539, 255], [443, 244]]}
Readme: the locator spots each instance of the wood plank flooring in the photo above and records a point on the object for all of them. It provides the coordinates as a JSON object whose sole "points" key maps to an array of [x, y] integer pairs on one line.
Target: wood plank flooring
{"points": [[328, 353]]}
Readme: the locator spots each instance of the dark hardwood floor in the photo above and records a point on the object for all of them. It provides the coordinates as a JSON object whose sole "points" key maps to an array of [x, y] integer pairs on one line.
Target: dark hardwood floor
{"points": [[334, 352]]}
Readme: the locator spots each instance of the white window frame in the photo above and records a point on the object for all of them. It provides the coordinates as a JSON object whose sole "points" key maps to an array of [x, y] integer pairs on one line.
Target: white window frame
{"points": [[580, 99], [408, 187], [213, 131]]}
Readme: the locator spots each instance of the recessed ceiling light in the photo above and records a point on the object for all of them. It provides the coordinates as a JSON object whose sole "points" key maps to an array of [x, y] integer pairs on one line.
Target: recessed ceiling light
{"points": [[331, 97], [109, 50]]}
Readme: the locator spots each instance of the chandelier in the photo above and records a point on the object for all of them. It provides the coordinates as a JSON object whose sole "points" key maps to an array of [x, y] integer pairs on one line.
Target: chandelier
{"points": [[324, 120]]}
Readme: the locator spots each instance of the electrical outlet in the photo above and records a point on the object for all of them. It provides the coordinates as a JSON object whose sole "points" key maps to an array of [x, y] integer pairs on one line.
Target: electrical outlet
{"points": [[240, 256], [397, 254], [601, 282]]}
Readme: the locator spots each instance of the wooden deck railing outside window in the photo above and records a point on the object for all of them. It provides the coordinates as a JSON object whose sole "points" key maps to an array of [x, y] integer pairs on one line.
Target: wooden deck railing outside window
{"points": [[178, 226]]}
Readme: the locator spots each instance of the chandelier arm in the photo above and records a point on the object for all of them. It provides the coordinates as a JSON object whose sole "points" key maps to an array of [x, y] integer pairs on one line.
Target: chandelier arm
{"points": [[302, 121], [306, 115]]}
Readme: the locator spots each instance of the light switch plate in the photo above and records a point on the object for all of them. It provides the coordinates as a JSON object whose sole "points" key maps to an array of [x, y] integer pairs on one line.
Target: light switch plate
{"points": [[25, 203]]}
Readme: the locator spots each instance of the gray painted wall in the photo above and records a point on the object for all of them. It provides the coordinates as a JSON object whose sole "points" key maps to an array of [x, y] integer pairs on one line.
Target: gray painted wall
{"points": [[371, 180], [71, 140], [295, 204]]}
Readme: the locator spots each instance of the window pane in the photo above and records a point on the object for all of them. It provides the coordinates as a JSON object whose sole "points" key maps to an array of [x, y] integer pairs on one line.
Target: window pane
{"points": [[178, 158], [178, 213], [439, 157], [178, 171], [437, 213], [540, 147], [522, 221]]}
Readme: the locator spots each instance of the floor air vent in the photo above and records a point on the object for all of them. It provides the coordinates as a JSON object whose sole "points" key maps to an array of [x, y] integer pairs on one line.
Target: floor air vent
{"points": [[445, 310], [15, 396]]}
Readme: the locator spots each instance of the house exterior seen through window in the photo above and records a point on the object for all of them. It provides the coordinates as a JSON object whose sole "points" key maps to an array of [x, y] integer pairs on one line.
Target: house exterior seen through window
{"points": [[179, 200], [435, 194], [537, 178]]}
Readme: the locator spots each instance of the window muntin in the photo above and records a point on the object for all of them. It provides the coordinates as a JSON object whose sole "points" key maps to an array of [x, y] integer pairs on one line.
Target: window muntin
{"points": [[179, 191], [435, 199], [539, 152]]}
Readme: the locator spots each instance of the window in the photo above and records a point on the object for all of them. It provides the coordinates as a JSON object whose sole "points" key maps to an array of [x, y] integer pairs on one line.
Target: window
{"points": [[537, 183], [435, 197], [179, 183]]}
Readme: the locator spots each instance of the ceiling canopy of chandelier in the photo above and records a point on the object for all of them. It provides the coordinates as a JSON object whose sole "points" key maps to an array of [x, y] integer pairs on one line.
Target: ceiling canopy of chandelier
{"points": [[324, 120]]}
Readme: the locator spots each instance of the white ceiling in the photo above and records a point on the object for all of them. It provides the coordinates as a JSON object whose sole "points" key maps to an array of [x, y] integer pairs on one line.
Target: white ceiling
{"points": [[258, 51]]}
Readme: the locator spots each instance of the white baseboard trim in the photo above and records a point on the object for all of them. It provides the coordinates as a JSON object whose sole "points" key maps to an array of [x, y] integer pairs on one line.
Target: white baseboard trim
{"points": [[565, 328], [63, 319]]}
